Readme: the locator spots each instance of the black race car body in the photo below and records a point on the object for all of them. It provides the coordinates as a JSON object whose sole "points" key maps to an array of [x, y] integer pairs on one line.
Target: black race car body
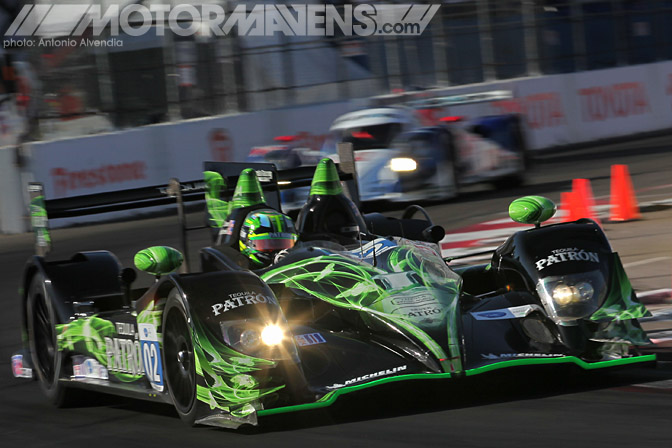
{"points": [[359, 301]]}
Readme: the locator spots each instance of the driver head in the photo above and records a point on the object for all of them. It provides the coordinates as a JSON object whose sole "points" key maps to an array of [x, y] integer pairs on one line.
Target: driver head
{"points": [[265, 233]]}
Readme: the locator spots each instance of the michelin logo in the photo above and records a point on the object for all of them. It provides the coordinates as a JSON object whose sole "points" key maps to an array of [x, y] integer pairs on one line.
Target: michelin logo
{"points": [[520, 355], [369, 376]]}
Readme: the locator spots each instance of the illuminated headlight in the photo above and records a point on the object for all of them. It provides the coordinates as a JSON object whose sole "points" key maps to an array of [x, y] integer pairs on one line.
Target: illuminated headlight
{"points": [[402, 164], [567, 298], [259, 338], [272, 335], [566, 294]]}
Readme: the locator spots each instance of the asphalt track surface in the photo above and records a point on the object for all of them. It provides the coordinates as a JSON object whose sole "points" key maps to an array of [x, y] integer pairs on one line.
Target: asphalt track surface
{"points": [[525, 407]]}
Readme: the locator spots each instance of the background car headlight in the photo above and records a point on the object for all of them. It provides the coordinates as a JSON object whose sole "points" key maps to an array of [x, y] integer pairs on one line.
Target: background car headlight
{"points": [[402, 164]]}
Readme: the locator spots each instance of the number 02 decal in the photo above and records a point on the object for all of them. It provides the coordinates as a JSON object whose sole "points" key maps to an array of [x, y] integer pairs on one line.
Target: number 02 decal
{"points": [[151, 355]]}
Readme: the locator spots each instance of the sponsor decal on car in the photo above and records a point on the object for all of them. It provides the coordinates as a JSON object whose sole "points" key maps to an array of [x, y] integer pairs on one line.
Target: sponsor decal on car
{"points": [[520, 355], [123, 353], [373, 248], [238, 299], [151, 355], [88, 368], [309, 339], [264, 175], [369, 376], [567, 254], [17, 368], [515, 312], [228, 226], [417, 305]]}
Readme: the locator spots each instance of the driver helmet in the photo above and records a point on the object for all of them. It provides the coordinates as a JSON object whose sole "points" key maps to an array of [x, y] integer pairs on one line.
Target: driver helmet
{"points": [[264, 234]]}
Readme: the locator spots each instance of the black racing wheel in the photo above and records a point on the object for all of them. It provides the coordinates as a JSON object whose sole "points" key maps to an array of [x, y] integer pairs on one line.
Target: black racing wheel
{"points": [[179, 359], [46, 357]]}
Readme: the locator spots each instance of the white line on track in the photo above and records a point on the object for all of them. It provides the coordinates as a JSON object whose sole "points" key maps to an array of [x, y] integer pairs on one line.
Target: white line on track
{"points": [[482, 234], [647, 261], [654, 292], [664, 384]]}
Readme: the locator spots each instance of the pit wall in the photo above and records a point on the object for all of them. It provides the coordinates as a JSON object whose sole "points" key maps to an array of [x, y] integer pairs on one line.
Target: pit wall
{"points": [[560, 110]]}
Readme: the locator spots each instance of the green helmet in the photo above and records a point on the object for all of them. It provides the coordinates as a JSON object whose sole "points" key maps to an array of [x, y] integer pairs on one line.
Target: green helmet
{"points": [[265, 233]]}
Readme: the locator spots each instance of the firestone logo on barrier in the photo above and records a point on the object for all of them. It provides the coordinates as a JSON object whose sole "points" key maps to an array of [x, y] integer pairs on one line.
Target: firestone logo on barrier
{"points": [[66, 20], [65, 180]]}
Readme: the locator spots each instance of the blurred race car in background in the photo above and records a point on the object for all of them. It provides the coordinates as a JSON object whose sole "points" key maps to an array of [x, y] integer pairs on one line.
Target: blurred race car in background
{"points": [[400, 158], [414, 151], [286, 152]]}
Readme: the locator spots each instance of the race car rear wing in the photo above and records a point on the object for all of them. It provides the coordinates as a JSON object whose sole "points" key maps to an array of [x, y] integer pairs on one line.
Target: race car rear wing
{"points": [[41, 209], [457, 100], [271, 180], [423, 100]]}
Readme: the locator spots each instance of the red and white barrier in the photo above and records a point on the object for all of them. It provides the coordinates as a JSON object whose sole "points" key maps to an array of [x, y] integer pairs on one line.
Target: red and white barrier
{"points": [[559, 110]]}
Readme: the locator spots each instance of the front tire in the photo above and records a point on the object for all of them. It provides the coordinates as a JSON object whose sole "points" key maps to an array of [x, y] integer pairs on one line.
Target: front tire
{"points": [[46, 358], [179, 359]]}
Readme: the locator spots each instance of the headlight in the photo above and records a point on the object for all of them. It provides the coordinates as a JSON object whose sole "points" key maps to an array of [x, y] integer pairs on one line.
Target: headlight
{"points": [[272, 335], [403, 164], [565, 294], [250, 339], [257, 338], [574, 296]]}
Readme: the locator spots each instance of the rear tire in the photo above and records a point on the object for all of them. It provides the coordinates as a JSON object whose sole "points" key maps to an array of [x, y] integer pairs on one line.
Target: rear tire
{"points": [[179, 359], [451, 189], [46, 358], [523, 164]]}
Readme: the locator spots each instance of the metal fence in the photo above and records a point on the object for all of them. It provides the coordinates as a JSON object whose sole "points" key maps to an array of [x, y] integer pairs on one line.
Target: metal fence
{"points": [[156, 79]]}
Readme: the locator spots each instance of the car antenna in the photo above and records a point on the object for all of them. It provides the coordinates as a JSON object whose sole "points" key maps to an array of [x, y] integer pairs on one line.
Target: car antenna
{"points": [[375, 262], [361, 247]]}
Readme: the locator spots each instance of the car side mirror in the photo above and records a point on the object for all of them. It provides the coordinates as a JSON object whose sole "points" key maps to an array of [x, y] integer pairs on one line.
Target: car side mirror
{"points": [[532, 210], [434, 234], [158, 260]]}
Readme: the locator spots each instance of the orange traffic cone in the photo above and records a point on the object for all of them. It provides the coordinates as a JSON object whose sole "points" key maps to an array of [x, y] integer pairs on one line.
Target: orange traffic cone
{"points": [[584, 202], [622, 200], [567, 207]]}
